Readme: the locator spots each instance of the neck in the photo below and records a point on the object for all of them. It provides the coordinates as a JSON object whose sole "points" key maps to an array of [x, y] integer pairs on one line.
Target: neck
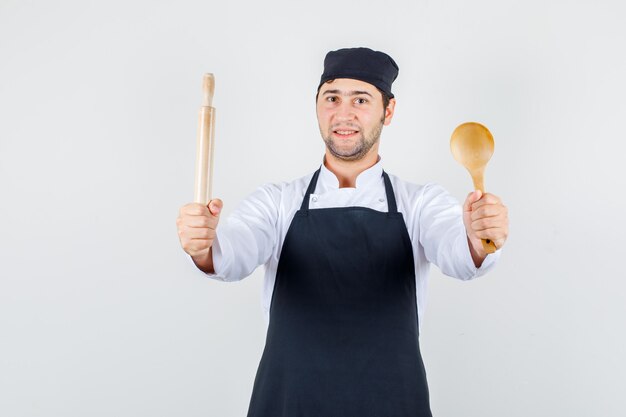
{"points": [[347, 171]]}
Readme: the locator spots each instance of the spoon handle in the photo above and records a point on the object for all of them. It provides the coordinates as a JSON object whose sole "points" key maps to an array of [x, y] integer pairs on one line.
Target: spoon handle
{"points": [[489, 246], [479, 184]]}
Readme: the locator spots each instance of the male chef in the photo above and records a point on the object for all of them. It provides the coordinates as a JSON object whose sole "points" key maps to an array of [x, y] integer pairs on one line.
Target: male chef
{"points": [[346, 250]]}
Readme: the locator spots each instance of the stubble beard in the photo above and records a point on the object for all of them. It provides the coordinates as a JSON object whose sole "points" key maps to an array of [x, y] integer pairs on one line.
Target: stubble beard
{"points": [[360, 148]]}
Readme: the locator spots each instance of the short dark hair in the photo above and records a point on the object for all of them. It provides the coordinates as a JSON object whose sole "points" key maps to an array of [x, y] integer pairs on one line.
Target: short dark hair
{"points": [[386, 98]]}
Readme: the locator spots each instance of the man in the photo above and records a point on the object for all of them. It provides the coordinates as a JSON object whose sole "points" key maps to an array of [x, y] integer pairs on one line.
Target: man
{"points": [[347, 251]]}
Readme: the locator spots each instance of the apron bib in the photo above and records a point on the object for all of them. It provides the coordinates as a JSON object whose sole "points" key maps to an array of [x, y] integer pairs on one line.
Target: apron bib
{"points": [[343, 333]]}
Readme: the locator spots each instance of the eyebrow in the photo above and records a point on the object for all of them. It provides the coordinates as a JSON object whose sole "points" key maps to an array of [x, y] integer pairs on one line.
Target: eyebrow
{"points": [[347, 93]]}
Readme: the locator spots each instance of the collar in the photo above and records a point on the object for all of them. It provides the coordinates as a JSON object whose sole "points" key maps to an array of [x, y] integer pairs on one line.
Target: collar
{"points": [[370, 176]]}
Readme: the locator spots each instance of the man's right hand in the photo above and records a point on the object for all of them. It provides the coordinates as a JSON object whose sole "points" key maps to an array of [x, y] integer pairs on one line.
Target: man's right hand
{"points": [[196, 230]]}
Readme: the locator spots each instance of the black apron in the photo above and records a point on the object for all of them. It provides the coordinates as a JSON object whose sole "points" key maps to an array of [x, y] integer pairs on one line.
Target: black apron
{"points": [[343, 339]]}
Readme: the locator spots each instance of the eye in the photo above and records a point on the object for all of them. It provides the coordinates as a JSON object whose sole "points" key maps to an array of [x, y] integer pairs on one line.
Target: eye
{"points": [[360, 100], [331, 99]]}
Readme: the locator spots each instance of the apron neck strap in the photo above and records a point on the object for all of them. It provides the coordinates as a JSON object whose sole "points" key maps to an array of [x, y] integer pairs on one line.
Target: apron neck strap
{"points": [[309, 191], [391, 198]]}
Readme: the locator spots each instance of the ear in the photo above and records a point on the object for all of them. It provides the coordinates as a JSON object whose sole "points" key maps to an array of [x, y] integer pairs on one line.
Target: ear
{"points": [[389, 111]]}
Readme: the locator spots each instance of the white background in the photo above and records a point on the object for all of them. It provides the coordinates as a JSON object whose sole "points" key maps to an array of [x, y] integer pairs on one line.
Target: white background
{"points": [[101, 312]]}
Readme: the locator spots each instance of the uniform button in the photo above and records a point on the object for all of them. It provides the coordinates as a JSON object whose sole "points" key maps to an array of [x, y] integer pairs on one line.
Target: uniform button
{"points": [[381, 200], [314, 199]]}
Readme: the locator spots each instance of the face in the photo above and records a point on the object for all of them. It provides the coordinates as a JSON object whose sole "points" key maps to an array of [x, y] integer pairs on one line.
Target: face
{"points": [[351, 116]]}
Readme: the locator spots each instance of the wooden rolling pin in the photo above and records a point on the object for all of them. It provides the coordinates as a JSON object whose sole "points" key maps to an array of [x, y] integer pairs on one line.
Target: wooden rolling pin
{"points": [[205, 143]]}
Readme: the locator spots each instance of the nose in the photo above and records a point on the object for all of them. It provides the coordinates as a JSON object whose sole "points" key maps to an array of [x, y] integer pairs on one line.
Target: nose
{"points": [[345, 112]]}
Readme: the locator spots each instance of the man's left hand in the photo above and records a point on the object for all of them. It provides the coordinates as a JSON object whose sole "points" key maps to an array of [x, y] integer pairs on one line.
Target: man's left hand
{"points": [[485, 217]]}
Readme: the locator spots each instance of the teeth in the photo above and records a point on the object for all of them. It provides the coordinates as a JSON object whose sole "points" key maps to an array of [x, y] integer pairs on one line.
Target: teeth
{"points": [[345, 132]]}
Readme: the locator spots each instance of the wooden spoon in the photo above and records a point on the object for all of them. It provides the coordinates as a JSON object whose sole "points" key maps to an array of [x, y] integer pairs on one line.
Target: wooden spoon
{"points": [[472, 146]]}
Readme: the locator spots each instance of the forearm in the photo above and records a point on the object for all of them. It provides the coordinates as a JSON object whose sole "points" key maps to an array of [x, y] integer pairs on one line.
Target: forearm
{"points": [[205, 263], [478, 258]]}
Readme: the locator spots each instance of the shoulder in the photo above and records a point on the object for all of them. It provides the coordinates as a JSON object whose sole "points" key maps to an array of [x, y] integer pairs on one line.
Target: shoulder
{"points": [[283, 192], [290, 187], [411, 189], [416, 195]]}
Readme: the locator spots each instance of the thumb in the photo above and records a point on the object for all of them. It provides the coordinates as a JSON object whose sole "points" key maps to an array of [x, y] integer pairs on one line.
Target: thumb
{"points": [[472, 197], [215, 206]]}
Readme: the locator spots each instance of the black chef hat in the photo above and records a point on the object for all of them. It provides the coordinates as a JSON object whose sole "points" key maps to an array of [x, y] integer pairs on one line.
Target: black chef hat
{"points": [[374, 67]]}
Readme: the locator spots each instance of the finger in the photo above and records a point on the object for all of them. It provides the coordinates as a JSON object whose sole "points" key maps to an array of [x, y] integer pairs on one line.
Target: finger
{"points": [[489, 210], [471, 199], [194, 209], [215, 206], [192, 233], [487, 198], [489, 223], [495, 234], [199, 221]]}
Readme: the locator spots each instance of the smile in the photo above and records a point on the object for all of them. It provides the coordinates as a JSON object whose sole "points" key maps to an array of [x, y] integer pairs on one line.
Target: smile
{"points": [[345, 133]]}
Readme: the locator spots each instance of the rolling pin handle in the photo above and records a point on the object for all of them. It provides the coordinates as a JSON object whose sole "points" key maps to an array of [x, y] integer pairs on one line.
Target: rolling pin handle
{"points": [[208, 87]]}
